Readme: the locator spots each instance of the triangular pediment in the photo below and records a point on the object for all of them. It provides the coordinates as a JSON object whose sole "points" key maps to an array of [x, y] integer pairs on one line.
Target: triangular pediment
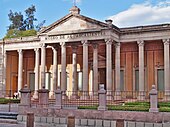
{"points": [[73, 23]]}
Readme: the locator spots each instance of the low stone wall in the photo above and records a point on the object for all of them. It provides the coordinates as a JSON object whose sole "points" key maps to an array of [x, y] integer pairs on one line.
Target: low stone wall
{"points": [[158, 117], [62, 122]]}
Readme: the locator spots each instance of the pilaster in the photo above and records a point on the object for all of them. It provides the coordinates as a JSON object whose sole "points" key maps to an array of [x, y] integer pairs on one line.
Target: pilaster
{"points": [[117, 72], [166, 69], [141, 70], [109, 68]]}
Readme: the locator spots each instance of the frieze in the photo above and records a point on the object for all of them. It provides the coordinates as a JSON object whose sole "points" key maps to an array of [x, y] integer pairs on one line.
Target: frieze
{"points": [[77, 35]]}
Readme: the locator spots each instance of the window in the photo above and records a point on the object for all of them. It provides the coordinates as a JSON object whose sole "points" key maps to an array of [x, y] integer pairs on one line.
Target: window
{"points": [[121, 80], [32, 81], [160, 82], [136, 80]]}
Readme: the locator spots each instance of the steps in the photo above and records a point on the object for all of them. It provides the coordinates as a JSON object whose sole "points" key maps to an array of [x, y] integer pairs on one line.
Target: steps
{"points": [[8, 117]]}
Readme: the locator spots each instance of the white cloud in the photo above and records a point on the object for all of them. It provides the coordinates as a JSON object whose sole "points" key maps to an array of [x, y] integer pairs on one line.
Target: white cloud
{"points": [[143, 14]]}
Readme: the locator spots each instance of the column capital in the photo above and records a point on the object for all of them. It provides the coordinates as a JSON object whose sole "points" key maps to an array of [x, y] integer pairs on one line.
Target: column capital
{"points": [[42, 45], [36, 49], [117, 44], [55, 48], [95, 45], [19, 51], [140, 43], [84, 42], [166, 41], [74, 48], [62, 44], [109, 41]]}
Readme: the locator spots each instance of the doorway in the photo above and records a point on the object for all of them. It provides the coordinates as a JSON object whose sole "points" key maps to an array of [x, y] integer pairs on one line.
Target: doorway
{"points": [[102, 77]]}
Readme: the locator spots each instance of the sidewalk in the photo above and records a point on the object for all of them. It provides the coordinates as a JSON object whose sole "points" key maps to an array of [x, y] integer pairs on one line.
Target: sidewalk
{"points": [[6, 107], [23, 125]]}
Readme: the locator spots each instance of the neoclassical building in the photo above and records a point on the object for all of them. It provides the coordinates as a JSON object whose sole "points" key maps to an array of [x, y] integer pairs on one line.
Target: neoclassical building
{"points": [[77, 53]]}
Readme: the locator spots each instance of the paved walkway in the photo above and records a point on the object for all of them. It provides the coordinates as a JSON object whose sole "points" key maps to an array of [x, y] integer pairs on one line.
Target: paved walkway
{"points": [[8, 107], [21, 125]]}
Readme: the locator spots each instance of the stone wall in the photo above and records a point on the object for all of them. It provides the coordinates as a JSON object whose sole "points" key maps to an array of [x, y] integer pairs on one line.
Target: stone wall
{"points": [[62, 122]]}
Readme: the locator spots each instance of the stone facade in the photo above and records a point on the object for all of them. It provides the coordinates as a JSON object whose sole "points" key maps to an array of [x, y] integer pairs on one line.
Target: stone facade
{"points": [[77, 53]]}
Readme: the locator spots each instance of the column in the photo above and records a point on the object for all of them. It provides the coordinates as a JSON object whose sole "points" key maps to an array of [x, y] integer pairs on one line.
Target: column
{"points": [[117, 72], [74, 72], [166, 69], [43, 62], [85, 70], [20, 69], [109, 86], [4, 69], [95, 69], [141, 71], [63, 69], [35, 96], [55, 73]]}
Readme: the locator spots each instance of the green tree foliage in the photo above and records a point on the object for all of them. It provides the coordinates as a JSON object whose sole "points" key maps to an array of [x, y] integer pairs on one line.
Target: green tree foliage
{"points": [[14, 33], [16, 19], [30, 18], [21, 27]]}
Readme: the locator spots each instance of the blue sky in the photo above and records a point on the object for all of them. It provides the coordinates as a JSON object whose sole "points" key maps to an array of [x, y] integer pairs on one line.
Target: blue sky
{"points": [[124, 13]]}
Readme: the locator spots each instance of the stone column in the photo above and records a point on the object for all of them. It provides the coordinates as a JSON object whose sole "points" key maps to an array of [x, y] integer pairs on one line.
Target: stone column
{"points": [[43, 62], [35, 96], [4, 69], [141, 71], [95, 69], [63, 69], [20, 69], [55, 73], [85, 70], [117, 72], [166, 69], [74, 71], [109, 86]]}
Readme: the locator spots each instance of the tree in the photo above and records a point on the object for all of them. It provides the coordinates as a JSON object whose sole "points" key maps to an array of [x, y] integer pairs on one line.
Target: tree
{"points": [[16, 19], [29, 21], [21, 27]]}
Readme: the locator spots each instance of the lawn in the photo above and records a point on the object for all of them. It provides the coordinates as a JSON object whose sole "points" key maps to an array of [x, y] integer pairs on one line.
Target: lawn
{"points": [[133, 106], [6, 101]]}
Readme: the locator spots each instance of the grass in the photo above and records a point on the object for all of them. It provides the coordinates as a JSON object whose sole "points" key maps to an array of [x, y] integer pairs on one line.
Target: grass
{"points": [[6, 101], [133, 106]]}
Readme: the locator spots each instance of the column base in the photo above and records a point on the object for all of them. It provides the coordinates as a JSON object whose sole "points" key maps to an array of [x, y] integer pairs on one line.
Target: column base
{"points": [[117, 96], [109, 95], [35, 96], [85, 96], [167, 96], [64, 96], [95, 95], [74, 95], [52, 95], [153, 110], [141, 96]]}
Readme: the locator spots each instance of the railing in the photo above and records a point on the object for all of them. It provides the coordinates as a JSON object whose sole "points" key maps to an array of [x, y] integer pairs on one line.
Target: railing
{"points": [[90, 98]]}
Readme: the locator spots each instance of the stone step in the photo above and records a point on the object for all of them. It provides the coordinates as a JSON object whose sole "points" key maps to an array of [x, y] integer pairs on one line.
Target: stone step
{"points": [[10, 121], [8, 115]]}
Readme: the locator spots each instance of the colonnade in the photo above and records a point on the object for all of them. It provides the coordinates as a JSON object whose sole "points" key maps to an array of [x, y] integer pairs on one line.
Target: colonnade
{"points": [[109, 79]]}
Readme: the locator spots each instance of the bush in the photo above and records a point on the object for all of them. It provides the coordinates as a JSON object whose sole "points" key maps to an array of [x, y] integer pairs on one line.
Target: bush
{"points": [[6, 101], [88, 107]]}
